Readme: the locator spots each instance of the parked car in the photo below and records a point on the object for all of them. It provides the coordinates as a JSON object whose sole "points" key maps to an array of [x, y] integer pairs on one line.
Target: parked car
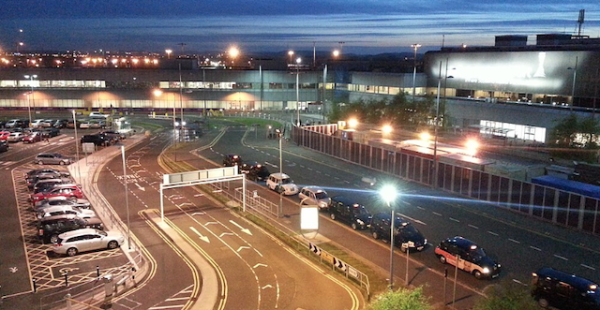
{"points": [[36, 123], [282, 183], [78, 203], [554, 288], [232, 160], [52, 132], [98, 140], [47, 184], [33, 137], [3, 146], [33, 180], [113, 134], [98, 115], [312, 195], [64, 190], [61, 123], [255, 171], [48, 123], [16, 123], [50, 227], [406, 236], [467, 256], [51, 159], [15, 137], [64, 209], [349, 212], [4, 135], [82, 240], [35, 172]]}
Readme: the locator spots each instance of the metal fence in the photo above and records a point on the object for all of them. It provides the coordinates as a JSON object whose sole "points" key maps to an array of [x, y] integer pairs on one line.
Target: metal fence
{"points": [[537, 201]]}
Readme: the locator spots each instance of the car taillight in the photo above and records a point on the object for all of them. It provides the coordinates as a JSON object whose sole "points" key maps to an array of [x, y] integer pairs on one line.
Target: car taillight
{"points": [[40, 232]]}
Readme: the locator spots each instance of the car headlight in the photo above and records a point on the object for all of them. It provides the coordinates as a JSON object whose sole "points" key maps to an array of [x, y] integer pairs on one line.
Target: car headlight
{"points": [[323, 204], [486, 270], [360, 222]]}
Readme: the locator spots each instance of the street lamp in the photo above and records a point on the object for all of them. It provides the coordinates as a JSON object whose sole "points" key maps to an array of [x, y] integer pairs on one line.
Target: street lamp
{"points": [[126, 197], [388, 193], [435, 127], [168, 51], [298, 61], [234, 52], [574, 81], [291, 54], [415, 46], [30, 97], [76, 143]]}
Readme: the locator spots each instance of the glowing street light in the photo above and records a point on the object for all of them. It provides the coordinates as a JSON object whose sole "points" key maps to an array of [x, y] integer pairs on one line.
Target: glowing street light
{"points": [[234, 52], [168, 51], [415, 46], [386, 129], [298, 61], [388, 194], [471, 147], [291, 54], [30, 98], [352, 123], [335, 53]]}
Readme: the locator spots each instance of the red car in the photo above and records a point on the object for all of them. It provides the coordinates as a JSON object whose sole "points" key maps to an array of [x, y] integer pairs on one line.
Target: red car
{"points": [[4, 135], [33, 137], [63, 190]]}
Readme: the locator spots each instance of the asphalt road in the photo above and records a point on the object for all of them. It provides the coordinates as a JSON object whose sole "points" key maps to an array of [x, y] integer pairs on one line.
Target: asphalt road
{"points": [[521, 245], [255, 271]]}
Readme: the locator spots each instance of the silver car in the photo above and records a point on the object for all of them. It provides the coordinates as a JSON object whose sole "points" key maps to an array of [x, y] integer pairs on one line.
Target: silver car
{"points": [[312, 195], [86, 239], [51, 159], [15, 137], [61, 201], [65, 209]]}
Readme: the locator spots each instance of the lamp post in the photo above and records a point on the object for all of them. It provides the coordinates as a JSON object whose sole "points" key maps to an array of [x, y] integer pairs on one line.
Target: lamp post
{"points": [[388, 193], [415, 47], [30, 97], [291, 54], [435, 128], [574, 81], [298, 61], [126, 197], [76, 143], [168, 51]]}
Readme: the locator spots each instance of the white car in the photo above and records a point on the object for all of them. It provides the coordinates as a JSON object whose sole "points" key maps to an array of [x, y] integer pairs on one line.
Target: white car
{"points": [[86, 239], [282, 183], [312, 195], [36, 123], [98, 115], [15, 137], [65, 209]]}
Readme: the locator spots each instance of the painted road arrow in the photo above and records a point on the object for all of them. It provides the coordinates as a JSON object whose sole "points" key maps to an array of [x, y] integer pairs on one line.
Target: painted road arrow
{"points": [[203, 238], [244, 230]]}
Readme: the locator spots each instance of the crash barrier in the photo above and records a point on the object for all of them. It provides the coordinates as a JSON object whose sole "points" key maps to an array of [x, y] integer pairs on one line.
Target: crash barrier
{"points": [[94, 292], [560, 207], [339, 265]]}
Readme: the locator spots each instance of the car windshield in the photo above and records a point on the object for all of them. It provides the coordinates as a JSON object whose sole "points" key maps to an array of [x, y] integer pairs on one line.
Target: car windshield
{"points": [[321, 195], [100, 232], [410, 231], [286, 181], [359, 210], [477, 254]]}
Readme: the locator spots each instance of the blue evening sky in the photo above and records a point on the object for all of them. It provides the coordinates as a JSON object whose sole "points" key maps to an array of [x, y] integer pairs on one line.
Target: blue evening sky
{"points": [[365, 26]]}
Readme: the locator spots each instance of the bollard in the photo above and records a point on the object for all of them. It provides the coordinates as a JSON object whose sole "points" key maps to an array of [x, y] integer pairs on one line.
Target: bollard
{"points": [[98, 271], [34, 280], [66, 274]]}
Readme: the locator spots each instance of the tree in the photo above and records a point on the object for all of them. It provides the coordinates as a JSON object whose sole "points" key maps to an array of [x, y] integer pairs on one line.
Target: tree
{"points": [[575, 139], [507, 296], [402, 299]]}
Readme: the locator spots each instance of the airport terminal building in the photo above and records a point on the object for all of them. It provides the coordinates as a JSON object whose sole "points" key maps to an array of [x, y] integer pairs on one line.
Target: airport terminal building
{"points": [[513, 89]]}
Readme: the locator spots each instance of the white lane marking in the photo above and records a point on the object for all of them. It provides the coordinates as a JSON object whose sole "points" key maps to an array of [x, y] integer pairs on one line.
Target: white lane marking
{"points": [[561, 257], [473, 226], [588, 267], [454, 220], [514, 241], [420, 208], [259, 265], [244, 230], [438, 214], [492, 233], [535, 248]]}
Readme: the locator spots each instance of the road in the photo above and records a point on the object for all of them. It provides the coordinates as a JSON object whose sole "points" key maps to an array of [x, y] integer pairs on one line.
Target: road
{"points": [[521, 246], [255, 270]]}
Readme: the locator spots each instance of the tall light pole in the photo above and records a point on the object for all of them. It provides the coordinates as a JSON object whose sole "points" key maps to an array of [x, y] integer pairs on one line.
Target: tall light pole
{"points": [[298, 61], [415, 47], [435, 128], [30, 97], [126, 197], [388, 193], [291, 54], [574, 81], [76, 142], [168, 51]]}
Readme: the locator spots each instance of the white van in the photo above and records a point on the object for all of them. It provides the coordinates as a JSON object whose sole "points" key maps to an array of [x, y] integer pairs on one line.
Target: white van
{"points": [[282, 183]]}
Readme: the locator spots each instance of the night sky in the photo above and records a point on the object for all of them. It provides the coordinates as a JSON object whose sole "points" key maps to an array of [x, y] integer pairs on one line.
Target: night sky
{"points": [[254, 26]]}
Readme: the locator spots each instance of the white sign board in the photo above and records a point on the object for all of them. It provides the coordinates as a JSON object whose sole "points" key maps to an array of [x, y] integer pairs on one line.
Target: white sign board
{"points": [[191, 176], [309, 217], [88, 147]]}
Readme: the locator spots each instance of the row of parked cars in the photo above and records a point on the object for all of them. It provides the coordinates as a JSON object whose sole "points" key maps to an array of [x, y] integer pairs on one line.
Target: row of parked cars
{"points": [[65, 219]]}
